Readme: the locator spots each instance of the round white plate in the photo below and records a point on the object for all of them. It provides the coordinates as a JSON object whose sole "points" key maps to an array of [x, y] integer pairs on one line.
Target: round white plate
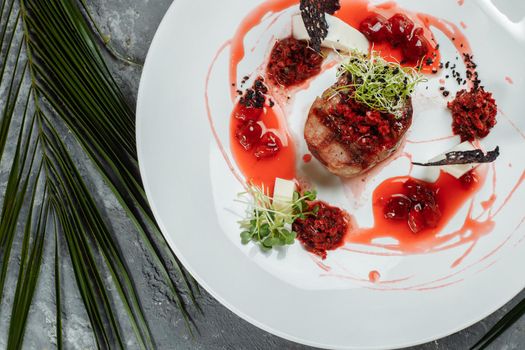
{"points": [[192, 191]]}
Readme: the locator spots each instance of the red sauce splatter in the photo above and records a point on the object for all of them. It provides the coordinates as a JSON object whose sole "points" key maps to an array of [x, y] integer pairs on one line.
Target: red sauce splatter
{"points": [[374, 276], [473, 113], [356, 11], [400, 32], [254, 18], [461, 2], [509, 80], [307, 158], [416, 205], [451, 195], [463, 25], [324, 231], [272, 156], [292, 62], [453, 33], [489, 203]]}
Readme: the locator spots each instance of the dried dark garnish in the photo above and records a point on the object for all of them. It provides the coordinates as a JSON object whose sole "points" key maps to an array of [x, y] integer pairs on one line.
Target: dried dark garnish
{"points": [[313, 14], [465, 157], [254, 97]]}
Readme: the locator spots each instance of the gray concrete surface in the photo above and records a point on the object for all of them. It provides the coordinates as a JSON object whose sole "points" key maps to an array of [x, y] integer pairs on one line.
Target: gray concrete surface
{"points": [[131, 25]]}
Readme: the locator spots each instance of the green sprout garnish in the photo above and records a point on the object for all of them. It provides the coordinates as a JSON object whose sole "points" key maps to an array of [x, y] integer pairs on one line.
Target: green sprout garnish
{"points": [[270, 226], [381, 85]]}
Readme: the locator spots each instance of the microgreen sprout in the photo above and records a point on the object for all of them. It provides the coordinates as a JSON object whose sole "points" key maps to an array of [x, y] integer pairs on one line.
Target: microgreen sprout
{"points": [[269, 226], [379, 84]]}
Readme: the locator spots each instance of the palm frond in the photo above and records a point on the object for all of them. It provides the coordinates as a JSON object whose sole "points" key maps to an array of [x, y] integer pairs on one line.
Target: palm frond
{"points": [[93, 112], [58, 79]]}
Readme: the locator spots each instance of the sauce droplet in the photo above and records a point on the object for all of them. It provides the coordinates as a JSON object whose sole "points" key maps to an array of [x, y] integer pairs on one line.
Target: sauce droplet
{"points": [[374, 276], [307, 158]]}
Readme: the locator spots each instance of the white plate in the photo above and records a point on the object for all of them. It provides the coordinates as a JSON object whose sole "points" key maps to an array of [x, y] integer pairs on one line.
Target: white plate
{"points": [[191, 191]]}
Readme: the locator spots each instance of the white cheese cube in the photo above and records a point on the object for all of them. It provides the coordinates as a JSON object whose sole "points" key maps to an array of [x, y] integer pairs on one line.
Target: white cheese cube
{"points": [[283, 191]]}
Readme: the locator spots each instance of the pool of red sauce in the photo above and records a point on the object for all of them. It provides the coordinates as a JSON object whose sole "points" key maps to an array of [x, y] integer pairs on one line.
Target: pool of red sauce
{"points": [[451, 196], [264, 172]]}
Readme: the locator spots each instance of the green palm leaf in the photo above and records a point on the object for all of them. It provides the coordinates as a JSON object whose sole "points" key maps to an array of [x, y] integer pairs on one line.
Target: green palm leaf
{"points": [[60, 80]]}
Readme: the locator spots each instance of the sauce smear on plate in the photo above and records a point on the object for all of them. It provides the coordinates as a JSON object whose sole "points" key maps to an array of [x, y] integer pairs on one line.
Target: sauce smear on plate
{"points": [[451, 195]]}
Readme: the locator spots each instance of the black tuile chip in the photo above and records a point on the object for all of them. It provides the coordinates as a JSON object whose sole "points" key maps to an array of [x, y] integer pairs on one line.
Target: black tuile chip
{"points": [[465, 157], [313, 14]]}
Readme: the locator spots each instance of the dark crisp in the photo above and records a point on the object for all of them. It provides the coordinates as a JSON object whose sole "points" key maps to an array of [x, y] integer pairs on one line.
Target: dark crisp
{"points": [[313, 14], [324, 231], [292, 62], [473, 113]]}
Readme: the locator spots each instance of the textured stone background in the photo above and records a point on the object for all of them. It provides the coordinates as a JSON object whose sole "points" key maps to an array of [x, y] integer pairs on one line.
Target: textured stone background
{"points": [[131, 25]]}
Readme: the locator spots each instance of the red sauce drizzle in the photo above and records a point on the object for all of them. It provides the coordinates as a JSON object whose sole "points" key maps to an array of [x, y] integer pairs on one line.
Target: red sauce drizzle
{"points": [[355, 11], [451, 195], [262, 171], [374, 276]]}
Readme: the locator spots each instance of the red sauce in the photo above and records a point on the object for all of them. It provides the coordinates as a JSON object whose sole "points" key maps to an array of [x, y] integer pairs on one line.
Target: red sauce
{"points": [[292, 62], [454, 34], [374, 276], [400, 32], [450, 195], [473, 113], [354, 12], [253, 19], [416, 205], [324, 231], [307, 158], [259, 141]]}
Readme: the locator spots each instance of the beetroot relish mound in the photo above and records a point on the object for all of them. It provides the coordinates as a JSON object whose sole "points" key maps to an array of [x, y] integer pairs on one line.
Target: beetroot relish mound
{"points": [[292, 62], [348, 137], [473, 113], [324, 231]]}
